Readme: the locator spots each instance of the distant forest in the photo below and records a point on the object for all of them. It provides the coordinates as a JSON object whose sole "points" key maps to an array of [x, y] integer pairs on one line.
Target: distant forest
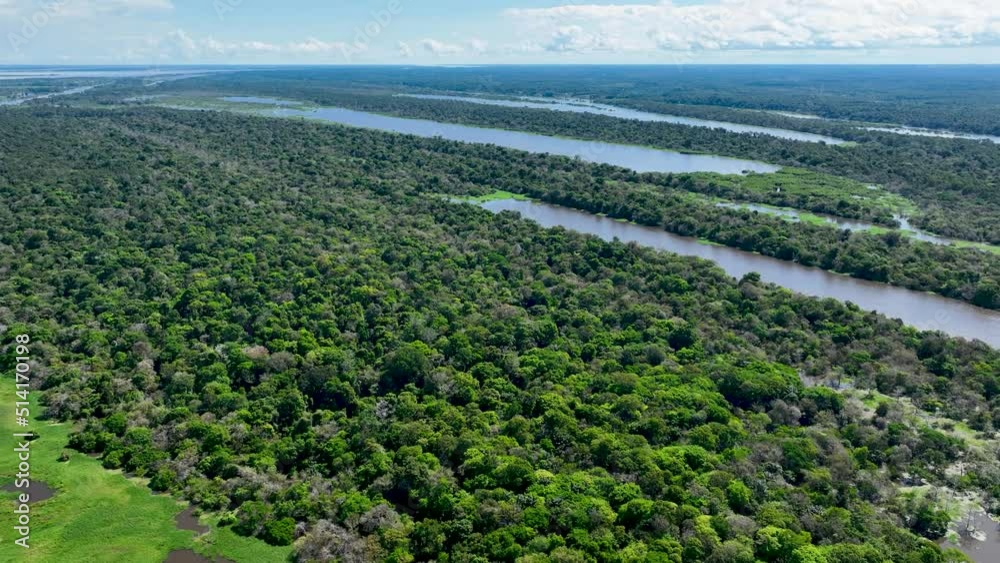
{"points": [[304, 331], [955, 182]]}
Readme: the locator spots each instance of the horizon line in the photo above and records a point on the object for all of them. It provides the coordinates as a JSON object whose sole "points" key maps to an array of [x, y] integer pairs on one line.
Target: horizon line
{"points": [[267, 66]]}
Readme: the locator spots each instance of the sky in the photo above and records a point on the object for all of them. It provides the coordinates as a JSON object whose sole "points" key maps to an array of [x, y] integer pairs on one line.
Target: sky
{"points": [[444, 32]]}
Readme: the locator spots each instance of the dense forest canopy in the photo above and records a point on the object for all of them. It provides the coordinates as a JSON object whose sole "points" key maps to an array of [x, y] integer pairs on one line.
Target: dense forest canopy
{"points": [[663, 200], [954, 182], [959, 98], [289, 324], [16, 89]]}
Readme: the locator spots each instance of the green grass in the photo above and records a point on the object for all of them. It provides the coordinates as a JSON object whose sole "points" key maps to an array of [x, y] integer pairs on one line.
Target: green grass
{"points": [[806, 183], [226, 543], [495, 196], [95, 515], [978, 245], [215, 102], [100, 515], [792, 181], [783, 213], [813, 219]]}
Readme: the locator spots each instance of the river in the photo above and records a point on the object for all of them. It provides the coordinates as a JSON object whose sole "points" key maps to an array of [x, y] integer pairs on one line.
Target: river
{"points": [[985, 548], [920, 132], [840, 222], [52, 72], [796, 215], [71, 91], [918, 309], [584, 106], [640, 159], [925, 311]]}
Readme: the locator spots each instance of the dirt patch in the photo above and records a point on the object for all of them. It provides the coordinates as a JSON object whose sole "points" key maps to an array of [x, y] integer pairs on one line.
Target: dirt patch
{"points": [[37, 490], [187, 520], [189, 556]]}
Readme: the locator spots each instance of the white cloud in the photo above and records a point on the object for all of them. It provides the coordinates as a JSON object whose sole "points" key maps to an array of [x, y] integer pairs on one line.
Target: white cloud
{"points": [[440, 48], [83, 9], [603, 31], [574, 39], [478, 46], [760, 24], [261, 47], [313, 46], [445, 49], [133, 5], [178, 45]]}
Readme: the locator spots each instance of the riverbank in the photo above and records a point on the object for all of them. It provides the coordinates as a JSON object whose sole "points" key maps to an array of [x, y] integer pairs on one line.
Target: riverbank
{"points": [[951, 273], [922, 310], [634, 157], [100, 515], [585, 106]]}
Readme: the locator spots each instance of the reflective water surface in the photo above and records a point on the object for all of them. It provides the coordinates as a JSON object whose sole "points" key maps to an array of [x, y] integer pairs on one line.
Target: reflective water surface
{"points": [[640, 159], [796, 215], [71, 91], [259, 100], [903, 130], [840, 222], [584, 106], [978, 537], [37, 491], [42, 72], [921, 310]]}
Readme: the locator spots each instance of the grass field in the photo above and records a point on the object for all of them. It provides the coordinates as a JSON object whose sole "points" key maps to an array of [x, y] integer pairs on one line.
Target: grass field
{"points": [[216, 102], [98, 515], [805, 183], [986, 247], [226, 543], [480, 199], [495, 196]]}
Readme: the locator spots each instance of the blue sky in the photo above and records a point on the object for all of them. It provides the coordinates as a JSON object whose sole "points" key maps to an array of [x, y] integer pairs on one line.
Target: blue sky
{"points": [[498, 31]]}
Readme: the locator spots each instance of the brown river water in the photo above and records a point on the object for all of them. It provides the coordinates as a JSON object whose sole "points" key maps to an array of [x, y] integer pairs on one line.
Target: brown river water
{"points": [[921, 310]]}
